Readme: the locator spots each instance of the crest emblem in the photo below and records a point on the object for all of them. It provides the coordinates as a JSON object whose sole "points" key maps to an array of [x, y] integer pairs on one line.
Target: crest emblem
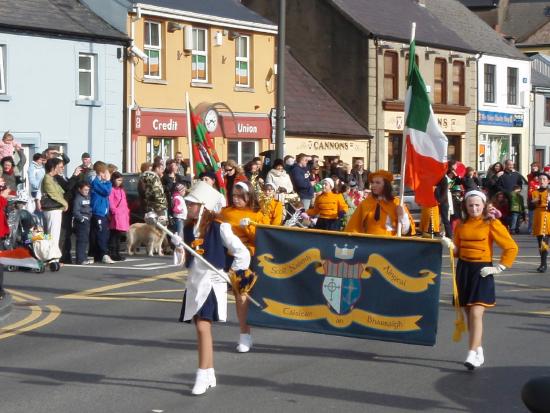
{"points": [[342, 283]]}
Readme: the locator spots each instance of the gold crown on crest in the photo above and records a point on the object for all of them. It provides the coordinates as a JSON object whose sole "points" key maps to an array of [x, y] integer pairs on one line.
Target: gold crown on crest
{"points": [[344, 253]]}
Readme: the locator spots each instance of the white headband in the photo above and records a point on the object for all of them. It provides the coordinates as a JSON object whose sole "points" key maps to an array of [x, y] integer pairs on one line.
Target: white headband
{"points": [[242, 185], [476, 193]]}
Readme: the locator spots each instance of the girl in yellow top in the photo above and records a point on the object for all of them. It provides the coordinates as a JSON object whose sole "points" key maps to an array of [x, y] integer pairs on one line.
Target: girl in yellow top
{"points": [[380, 213], [541, 224], [330, 207], [271, 208], [473, 242], [245, 210]]}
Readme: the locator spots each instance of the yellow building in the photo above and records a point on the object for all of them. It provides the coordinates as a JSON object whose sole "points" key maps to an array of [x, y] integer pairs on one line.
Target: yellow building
{"points": [[224, 61]]}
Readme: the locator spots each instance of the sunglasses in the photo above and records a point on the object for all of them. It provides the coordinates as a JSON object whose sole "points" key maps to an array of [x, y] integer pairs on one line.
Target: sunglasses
{"points": [[229, 170]]}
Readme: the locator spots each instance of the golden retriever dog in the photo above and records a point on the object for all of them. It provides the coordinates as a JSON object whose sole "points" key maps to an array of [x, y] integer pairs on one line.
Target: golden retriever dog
{"points": [[145, 234]]}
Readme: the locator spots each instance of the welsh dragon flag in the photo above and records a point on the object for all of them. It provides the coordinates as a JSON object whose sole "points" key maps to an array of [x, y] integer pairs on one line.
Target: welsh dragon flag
{"points": [[204, 154], [426, 145]]}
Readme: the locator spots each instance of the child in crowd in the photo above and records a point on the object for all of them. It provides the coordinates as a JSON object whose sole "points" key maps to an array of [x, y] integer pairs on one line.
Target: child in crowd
{"points": [[205, 299], [82, 214], [500, 202], [8, 145], [120, 216], [179, 209], [517, 209], [473, 243], [100, 188], [329, 206]]}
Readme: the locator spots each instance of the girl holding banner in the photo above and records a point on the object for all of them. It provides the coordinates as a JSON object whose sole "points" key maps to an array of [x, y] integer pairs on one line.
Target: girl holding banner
{"points": [[244, 212], [205, 299], [473, 242], [380, 213]]}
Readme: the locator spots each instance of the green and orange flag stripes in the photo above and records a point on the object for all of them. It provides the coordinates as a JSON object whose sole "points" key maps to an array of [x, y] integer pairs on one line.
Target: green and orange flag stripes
{"points": [[426, 144], [204, 154]]}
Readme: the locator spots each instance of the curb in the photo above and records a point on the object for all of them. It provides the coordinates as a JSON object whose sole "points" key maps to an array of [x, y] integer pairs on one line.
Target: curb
{"points": [[5, 306]]}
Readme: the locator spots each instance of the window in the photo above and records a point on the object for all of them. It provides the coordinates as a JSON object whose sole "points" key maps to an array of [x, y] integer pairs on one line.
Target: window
{"points": [[489, 87], [547, 111], [242, 151], [163, 147], [242, 61], [86, 76], [2, 69], [390, 76], [512, 86], [153, 47], [440, 81], [199, 62], [458, 83]]}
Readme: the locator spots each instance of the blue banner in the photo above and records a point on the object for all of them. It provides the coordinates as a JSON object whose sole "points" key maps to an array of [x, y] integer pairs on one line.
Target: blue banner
{"points": [[381, 288]]}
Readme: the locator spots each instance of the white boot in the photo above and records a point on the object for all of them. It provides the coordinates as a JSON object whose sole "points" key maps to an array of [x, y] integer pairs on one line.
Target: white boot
{"points": [[245, 343], [480, 356], [212, 376], [202, 382], [471, 361]]}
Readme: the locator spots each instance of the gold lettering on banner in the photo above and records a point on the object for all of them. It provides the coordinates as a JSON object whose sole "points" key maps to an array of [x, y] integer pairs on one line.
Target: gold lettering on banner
{"points": [[397, 278], [357, 316], [290, 268]]}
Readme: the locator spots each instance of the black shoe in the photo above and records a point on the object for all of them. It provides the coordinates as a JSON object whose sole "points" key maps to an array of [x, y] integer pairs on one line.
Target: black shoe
{"points": [[118, 257], [542, 268]]}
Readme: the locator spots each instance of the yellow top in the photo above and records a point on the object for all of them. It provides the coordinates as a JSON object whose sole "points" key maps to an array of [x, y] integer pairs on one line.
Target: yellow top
{"points": [[541, 221], [363, 220], [247, 235], [328, 205], [474, 241], [272, 211]]}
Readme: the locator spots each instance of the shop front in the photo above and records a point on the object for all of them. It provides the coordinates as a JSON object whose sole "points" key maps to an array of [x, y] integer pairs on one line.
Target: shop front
{"points": [[164, 133], [347, 150], [453, 126], [500, 138]]}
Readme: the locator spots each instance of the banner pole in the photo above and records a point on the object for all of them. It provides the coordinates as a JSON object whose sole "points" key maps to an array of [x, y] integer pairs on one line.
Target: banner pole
{"points": [[404, 145], [189, 137]]}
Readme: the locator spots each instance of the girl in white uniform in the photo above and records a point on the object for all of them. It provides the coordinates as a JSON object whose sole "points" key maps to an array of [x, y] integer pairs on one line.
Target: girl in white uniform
{"points": [[205, 299]]}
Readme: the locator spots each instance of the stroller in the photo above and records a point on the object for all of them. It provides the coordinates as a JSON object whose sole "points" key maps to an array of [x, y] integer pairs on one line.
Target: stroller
{"points": [[26, 232]]}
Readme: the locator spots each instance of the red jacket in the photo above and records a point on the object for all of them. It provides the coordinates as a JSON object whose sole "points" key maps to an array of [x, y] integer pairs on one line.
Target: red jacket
{"points": [[4, 228]]}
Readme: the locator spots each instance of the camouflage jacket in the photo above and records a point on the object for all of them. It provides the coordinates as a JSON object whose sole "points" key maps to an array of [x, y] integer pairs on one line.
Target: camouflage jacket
{"points": [[152, 193]]}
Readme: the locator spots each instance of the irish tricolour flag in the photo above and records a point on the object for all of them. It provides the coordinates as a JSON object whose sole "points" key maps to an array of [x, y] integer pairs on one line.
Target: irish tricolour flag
{"points": [[426, 160]]}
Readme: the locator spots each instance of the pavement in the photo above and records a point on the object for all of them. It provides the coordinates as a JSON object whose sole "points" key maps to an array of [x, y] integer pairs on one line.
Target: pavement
{"points": [[105, 338]]}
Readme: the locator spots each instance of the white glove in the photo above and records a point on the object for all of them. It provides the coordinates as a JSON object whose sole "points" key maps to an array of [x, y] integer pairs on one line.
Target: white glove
{"points": [[176, 240], [497, 269], [179, 256], [244, 222], [447, 243]]}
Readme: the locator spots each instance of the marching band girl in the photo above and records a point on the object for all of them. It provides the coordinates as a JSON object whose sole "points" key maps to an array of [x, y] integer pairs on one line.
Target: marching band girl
{"points": [[380, 213], [271, 208], [244, 212], [429, 221], [541, 224], [330, 207], [473, 242], [205, 299]]}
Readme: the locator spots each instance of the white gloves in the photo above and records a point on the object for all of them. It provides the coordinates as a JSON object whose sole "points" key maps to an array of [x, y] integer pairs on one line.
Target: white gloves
{"points": [[447, 243], [176, 240], [244, 222], [497, 269], [179, 256]]}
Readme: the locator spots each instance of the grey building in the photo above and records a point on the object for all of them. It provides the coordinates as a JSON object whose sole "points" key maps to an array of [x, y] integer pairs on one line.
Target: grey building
{"points": [[61, 79], [540, 109]]}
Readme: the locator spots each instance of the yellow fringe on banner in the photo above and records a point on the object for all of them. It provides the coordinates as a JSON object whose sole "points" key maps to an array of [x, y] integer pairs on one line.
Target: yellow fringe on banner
{"points": [[460, 326]]}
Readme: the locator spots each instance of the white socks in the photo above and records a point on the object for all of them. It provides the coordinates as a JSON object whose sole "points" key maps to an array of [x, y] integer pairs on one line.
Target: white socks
{"points": [[475, 358], [245, 343]]}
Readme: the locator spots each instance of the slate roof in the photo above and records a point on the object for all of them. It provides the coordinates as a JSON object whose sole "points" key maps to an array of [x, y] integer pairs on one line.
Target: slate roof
{"points": [[524, 17], [471, 28], [311, 110], [230, 9], [67, 17], [539, 37], [391, 20]]}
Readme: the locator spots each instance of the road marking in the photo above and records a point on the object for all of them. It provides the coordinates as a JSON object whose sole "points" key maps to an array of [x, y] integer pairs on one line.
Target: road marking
{"points": [[149, 264], [9, 330], [133, 267], [23, 295], [101, 292], [54, 312]]}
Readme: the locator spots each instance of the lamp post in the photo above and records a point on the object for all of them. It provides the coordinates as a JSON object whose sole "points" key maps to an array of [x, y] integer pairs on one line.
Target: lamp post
{"points": [[280, 116]]}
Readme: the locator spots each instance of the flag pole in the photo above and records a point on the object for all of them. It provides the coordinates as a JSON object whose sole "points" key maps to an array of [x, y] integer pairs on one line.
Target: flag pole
{"points": [[404, 142], [189, 137]]}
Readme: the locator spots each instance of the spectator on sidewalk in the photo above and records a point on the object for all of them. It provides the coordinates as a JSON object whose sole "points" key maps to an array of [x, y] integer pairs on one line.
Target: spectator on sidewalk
{"points": [[100, 188], [53, 202], [359, 175], [509, 178], [36, 174], [82, 215], [120, 216], [4, 228], [517, 209], [68, 186], [300, 178]]}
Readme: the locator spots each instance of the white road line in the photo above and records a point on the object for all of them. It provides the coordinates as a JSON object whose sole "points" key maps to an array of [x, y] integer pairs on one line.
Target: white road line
{"points": [[148, 265]]}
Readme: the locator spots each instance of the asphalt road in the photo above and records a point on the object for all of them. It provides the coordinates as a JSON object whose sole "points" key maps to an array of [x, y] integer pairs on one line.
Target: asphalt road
{"points": [[106, 339]]}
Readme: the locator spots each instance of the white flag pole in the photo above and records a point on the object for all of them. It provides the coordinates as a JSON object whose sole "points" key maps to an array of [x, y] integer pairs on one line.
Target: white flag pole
{"points": [[404, 144], [189, 136]]}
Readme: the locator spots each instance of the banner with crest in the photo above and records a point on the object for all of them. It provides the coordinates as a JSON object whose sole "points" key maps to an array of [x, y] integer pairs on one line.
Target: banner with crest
{"points": [[381, 288]]}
